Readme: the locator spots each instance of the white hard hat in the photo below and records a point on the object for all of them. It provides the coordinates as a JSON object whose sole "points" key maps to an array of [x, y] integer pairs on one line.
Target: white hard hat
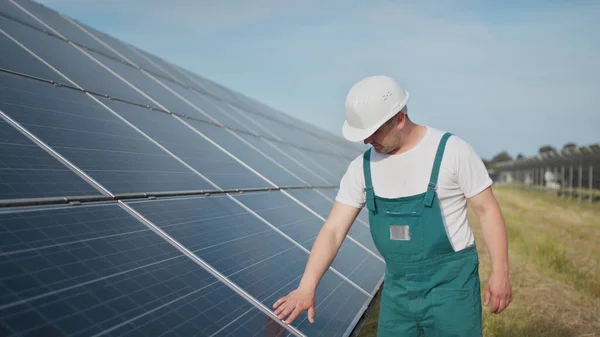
{"points": [[370, 103]]}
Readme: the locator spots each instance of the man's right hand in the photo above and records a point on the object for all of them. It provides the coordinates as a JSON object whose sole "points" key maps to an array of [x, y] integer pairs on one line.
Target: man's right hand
{"points": [[294, 304], [323, 252]]}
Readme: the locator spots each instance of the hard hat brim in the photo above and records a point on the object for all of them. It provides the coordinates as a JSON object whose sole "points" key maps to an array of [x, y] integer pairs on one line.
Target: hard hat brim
{"points": [[358, 135], [353, 134]]}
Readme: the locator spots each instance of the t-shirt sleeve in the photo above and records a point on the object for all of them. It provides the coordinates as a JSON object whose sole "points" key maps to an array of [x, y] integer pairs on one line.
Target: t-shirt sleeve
{"points": [[352, 185], [471, 174]]}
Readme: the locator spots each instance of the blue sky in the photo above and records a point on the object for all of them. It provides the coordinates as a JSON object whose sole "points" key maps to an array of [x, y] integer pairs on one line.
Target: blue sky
{"points": [[503, 75]]}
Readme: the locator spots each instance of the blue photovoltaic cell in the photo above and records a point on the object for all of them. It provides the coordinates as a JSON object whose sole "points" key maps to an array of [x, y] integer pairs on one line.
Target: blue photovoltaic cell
{"points": [[247, 154], [291, 134], [296, 167], [70, 62], [125, 50], [211, 87], [27, 171], [148, 86], [251, 323], [94, 139], [352, 261], [17, 59], [63, 27], [321, 205], [219, 110], [165, 97], [319, 168], [189, 146], [232, 240], [86, 270], [95, 269], [7, 9], [308, 169], [337, 166], [232, 117], [169, 70], [129, 73], [199, 102], [363, 215], [327, 176], [205, 87], [284, 127], [331, 193]]}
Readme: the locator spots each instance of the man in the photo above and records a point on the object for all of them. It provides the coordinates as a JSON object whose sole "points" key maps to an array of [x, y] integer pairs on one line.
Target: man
{"points": [[415, 186]]}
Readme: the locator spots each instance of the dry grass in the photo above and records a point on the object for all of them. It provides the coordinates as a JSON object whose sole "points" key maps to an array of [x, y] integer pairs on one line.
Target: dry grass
{"points": [[555, 268]]}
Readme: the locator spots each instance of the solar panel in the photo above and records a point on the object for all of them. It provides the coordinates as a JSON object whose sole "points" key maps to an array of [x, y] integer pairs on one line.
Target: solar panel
{"points": [[191, 146], [232, 240], [139, 198], [97, 270], [302, 226], [12, 12], [27, 171], [94, 139], [315, 199]]}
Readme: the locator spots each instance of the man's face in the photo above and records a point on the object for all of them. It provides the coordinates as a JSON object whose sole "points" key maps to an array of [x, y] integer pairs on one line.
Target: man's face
{"points": [[387, 138]]}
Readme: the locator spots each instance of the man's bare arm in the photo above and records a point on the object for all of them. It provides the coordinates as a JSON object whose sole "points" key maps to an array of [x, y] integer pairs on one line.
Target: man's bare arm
{"points": [[498, 289], [327, 244], [323, 252]]}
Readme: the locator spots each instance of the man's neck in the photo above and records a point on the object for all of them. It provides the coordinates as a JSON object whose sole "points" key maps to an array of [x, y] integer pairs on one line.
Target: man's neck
{"points": [[411, 137]]}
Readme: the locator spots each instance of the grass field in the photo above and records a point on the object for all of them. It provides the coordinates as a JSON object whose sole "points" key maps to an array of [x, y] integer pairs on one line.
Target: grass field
{"points": [[554, 248]]}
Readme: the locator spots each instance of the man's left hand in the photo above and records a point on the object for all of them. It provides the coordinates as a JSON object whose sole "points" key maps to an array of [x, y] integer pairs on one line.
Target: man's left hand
{"points": [[498, 293]]}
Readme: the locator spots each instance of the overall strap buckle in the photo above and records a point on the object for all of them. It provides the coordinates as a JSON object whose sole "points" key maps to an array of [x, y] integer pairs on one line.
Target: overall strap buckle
{"points": [[370, 194], [371, 200], [428, 201], [435, 171]]}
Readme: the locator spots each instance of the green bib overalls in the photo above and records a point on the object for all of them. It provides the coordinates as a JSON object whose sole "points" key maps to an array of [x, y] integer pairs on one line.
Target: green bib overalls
{"points": [[429, 289]]}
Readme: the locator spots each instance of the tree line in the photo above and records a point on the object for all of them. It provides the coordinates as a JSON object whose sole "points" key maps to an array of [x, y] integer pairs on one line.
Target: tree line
{"points": [[505, 156]]}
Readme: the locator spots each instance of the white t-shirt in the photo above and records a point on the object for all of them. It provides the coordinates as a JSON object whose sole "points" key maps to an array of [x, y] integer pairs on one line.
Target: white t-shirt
{"points": [[462, 175]]}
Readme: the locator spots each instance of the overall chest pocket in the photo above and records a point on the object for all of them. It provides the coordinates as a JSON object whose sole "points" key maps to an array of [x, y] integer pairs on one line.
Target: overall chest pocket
{"points": [[398, 233]]}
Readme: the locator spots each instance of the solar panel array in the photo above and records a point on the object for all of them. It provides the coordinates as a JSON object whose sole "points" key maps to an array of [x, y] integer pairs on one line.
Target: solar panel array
{"points": [[142, 199]]}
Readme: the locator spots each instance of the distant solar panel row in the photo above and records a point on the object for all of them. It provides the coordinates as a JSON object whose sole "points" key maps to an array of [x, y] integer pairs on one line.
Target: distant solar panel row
{"points": [[199, 205]]}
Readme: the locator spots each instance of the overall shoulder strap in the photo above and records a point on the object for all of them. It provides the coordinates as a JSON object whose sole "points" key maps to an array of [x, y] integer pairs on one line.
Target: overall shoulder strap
{"points": [[370, 194], [435, 171]]}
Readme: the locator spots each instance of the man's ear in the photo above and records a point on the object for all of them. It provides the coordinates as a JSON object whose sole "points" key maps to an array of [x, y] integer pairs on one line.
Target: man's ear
{"points": [[401, 119]]}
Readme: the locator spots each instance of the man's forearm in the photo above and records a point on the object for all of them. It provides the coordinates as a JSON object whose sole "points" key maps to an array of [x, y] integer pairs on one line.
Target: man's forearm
{"points": [[321, 256], [494, 234]]}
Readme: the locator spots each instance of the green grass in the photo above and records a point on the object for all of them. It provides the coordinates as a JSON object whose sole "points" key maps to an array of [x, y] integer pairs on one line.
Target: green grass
{"points": [[555, 267]]}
